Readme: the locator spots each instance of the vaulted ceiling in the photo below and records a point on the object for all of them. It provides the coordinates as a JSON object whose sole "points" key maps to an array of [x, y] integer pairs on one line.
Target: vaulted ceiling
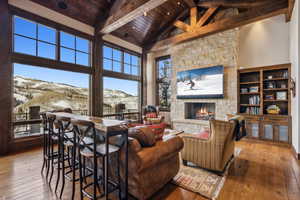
{"points": [[143, 22]]}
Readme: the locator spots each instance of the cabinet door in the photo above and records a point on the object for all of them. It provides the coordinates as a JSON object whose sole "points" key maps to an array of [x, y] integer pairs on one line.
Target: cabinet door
{"points": [[268, 131], [252, 129], [283, 133]]}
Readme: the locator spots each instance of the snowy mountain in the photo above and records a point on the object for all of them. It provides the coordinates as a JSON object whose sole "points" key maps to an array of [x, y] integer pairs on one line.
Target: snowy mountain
{"points": [[48, 95]]}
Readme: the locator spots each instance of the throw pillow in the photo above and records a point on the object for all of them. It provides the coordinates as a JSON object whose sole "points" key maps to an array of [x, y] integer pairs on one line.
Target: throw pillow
{"points": [[143, 134], [204, 134], [154, 120], [151, 115], [158, 130]]}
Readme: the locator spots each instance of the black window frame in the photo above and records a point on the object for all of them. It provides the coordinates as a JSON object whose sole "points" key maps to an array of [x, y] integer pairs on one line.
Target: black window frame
{"points": [[57, 43], [122, 62]]}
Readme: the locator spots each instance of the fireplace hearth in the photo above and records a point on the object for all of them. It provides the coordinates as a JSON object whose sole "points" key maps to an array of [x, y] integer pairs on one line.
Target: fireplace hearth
{"points": [[200, 111]]}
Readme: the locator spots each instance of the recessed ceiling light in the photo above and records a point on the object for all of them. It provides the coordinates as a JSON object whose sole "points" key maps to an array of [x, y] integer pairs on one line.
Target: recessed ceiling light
{"points": [[178, 3], [168, 13], [62, 5]]}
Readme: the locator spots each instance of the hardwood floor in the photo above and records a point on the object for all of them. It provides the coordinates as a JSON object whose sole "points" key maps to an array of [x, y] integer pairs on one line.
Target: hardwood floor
{"points": [[262, 171]]}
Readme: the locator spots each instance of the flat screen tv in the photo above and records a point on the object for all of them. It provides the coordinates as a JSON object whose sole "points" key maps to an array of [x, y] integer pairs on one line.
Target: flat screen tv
{"points": [[201, 83]]}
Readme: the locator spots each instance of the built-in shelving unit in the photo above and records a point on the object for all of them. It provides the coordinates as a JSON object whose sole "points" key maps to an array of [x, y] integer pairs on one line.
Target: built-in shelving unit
{"points": [[264, 100]]}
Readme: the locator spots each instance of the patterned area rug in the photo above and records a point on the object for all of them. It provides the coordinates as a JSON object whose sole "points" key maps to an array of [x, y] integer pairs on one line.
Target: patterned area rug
{"points": [[201, 181]]}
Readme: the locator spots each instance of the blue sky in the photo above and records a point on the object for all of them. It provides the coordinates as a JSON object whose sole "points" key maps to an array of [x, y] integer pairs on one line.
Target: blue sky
{"points": [[46, 49]]}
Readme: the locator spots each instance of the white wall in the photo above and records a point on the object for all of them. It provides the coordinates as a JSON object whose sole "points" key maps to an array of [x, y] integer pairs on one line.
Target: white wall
{"points": [[264, 43], [294, 57]]}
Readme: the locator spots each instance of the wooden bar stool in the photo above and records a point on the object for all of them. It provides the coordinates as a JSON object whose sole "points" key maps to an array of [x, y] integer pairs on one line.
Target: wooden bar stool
{"points": [[95, 149]]}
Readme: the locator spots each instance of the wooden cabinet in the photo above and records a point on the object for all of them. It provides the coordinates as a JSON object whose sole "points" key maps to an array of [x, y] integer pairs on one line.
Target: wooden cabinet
{"points": [[269, 128], [264, 99]]}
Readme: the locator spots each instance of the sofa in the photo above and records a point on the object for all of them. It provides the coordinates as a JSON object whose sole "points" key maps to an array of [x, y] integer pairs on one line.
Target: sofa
{"points": [[213, 152], [151, 168]]}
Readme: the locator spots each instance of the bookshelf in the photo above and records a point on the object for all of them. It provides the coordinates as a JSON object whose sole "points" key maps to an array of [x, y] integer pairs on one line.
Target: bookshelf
{"points": [[264, 99]]}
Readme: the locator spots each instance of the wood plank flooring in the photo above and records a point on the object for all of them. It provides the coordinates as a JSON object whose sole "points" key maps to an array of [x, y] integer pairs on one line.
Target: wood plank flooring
{"points": [[261, 172]]}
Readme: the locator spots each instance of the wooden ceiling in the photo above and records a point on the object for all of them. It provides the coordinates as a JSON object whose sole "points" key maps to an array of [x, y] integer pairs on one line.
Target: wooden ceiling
{"points": [[143, 22]]}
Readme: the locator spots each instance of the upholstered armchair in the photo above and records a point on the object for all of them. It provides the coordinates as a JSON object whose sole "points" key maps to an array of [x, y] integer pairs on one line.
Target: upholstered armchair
{"points": [[151, 115], [151, 168], [214, 152]]}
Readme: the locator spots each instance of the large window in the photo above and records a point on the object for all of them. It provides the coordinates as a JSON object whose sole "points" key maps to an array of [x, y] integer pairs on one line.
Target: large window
{"points": [[121, 61], [39, 40], [120, 96], [38, 89], [34, 39], [74, 49], [164, 75]]}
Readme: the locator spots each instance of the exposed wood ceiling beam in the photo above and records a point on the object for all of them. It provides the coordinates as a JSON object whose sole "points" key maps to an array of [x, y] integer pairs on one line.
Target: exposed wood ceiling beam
{"points": [[190, 3], [226, 24], [103, 16], [290, 10], [234, 3], [164, 30], [194, 16], [129, 12], [181, 25], [206, 16]]}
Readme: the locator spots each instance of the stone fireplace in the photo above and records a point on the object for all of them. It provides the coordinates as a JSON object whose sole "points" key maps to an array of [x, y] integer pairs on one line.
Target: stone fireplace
{"points": [[217, 49], [200, 111]]}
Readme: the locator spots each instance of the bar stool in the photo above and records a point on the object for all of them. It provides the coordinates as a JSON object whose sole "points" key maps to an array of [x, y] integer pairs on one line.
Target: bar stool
{"points": [[93, 150], [53, 137], [67, 140], [45, 125]]}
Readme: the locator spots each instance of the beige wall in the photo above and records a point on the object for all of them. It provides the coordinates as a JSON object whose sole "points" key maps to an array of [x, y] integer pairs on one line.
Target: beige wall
{"points": [[294, 58], [264, 43]]}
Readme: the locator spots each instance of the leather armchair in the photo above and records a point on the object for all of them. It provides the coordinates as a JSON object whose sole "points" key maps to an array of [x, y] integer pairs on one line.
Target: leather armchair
{"points": [[212, 153], [150, 168]]}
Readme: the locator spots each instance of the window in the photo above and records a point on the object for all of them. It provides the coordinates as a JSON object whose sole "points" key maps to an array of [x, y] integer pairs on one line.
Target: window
{"points": [[119, 91], [38, 89], [164, 75], [74, 49], [35, 39], [120, 61]]}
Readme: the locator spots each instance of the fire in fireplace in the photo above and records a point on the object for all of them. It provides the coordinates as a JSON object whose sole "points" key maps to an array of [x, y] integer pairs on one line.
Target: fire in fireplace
{"points": [[200, 111]]}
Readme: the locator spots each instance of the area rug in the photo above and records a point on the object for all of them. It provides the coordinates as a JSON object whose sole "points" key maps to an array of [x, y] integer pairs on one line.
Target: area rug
{"points": [[201, 181]]}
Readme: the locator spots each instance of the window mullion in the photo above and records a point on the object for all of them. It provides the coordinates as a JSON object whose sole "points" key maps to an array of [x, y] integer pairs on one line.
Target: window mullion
{"points": [[57, 45], [36, 38]]}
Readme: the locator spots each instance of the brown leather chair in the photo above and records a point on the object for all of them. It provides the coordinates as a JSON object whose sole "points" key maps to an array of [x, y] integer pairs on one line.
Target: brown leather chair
{"points": [[151, 168], [212, 153]]}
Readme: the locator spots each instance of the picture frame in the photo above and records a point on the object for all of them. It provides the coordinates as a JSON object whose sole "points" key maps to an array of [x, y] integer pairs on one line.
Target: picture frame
{"points": [[281, 95]]}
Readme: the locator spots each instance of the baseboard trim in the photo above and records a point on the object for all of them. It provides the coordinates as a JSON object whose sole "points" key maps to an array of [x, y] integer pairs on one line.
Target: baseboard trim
{"points": [[297, 155]]}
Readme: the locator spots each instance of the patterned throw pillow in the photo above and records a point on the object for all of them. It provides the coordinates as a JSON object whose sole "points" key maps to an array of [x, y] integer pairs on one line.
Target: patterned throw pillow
{"points": [[151, 115], [158, 130], [154, 120], [204, 134]]}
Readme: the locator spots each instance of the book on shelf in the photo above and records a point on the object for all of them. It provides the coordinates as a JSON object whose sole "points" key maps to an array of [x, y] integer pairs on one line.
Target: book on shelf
{"points": [[252, 110], [254, 100]]}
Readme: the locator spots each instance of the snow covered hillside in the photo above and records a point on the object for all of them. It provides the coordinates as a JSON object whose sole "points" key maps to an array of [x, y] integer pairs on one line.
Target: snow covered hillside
{"points": [[48, 95]]}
